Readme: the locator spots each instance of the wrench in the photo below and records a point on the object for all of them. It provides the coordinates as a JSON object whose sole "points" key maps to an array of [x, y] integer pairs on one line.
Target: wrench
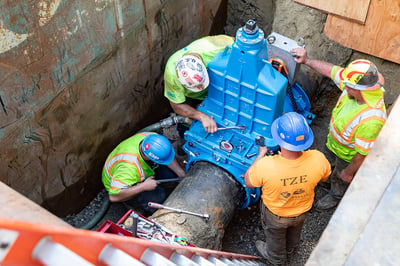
{"points": [[234, 127], [160, 206]]}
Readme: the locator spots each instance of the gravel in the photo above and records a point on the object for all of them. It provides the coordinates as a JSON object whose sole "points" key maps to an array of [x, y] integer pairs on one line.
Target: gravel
{"points": [[245, 228], [241, 233]]}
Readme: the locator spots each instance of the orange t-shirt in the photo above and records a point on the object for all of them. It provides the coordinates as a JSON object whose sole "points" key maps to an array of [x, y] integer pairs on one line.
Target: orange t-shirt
{"points": [[288, 185]]}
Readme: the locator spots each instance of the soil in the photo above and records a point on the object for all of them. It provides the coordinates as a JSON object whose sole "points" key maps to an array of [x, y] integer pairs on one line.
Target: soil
{"points": [[245, 227], [241, 233]]}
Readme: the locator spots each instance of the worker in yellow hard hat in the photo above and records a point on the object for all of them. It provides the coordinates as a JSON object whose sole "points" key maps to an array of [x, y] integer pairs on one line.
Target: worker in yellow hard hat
{"points": [[356, 121]]}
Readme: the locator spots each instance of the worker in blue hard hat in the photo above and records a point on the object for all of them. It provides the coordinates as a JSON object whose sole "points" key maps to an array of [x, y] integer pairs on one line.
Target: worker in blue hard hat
{"points": [[130, 170], [288, 180]]}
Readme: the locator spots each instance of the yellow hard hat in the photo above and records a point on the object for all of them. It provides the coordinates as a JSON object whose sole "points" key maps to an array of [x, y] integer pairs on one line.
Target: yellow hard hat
{"points": [[362, 75]]}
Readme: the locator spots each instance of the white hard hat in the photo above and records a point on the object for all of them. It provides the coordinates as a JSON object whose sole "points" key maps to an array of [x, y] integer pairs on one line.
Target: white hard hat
{"points": [[192, 73]]}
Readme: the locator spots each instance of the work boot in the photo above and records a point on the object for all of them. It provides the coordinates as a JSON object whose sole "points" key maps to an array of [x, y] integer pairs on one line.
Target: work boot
{"points": [[262, 249], [326, 203]]}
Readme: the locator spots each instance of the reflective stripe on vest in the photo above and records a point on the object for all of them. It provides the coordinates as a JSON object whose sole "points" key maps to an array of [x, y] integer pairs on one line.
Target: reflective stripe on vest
{"points": [[345, 136], [123, 157]]}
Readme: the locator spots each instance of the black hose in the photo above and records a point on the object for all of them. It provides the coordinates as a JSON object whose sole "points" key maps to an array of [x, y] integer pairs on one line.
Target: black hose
{"points": [[100, 213], [167, 122]]}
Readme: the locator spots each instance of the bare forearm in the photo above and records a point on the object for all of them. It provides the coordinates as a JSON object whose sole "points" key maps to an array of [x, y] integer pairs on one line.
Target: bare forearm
{"points": [[349, 172], [176, 168], [355, 164], [127, 193], [186, 110], [262, 151], [322, 67]]}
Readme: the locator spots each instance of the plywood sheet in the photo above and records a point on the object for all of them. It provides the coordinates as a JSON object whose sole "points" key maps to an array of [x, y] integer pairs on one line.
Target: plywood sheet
{"points": [[355, 10], [380, 36]]}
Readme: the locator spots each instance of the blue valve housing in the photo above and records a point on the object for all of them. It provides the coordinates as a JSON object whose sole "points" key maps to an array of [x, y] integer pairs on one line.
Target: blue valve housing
{"points": [[246, 94]]}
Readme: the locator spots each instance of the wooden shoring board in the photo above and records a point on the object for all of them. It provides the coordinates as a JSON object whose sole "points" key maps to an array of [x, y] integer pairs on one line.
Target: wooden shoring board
{"points": [[380, 36], [355, 10]]}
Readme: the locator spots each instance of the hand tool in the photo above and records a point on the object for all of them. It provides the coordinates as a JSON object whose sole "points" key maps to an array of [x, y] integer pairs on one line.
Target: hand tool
{"points": [[160, 206], [178, 179], [149, 222], [260, 141], [234, 127]]}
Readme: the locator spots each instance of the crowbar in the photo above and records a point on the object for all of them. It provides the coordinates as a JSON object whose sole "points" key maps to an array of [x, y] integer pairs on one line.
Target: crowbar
{"points": [[178, 179], [160, 206]]}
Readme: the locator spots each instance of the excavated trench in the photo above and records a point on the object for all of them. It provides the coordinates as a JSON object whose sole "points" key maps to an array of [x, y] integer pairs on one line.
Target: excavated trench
{"points": [[242, 227]]}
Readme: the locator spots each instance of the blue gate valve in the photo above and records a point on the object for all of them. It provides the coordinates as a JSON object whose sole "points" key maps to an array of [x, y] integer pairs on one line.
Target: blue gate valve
{"points": [[245, 95]]}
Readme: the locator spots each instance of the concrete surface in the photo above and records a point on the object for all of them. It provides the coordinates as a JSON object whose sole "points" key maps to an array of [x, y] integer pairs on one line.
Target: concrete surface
{"points": [[364, 230]]}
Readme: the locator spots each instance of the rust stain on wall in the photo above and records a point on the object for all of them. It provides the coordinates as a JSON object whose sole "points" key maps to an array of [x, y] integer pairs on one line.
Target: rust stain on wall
{"points": [[76, 78]]}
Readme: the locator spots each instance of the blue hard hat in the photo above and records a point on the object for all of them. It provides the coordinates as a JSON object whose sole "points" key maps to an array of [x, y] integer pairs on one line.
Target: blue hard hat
{"points": [[158, 149], [292, 132]]}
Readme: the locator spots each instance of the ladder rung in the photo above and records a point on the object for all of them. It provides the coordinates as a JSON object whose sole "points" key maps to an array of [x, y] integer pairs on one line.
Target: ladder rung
{"points": [[201, 261], [152, 258], [227, 261], [216, 261], [182, 260], [115, 257], [51, 253]]}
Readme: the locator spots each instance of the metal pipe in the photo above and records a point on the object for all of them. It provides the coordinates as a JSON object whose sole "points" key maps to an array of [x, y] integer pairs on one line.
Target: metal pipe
{"points": [[209, 189]]}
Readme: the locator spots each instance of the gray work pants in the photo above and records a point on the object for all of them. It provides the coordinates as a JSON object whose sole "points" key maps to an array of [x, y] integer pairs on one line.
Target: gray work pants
{"points": [[282, 234], [338, 186]]}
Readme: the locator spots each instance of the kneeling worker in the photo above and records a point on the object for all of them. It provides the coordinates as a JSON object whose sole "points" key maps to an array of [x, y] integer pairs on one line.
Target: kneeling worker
{"points": [[129, 171], [288, 181]]}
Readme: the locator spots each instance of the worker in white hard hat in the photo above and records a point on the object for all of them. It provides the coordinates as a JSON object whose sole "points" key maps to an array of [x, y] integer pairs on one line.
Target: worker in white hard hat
{"points": [[356, 120], [186, 79]]}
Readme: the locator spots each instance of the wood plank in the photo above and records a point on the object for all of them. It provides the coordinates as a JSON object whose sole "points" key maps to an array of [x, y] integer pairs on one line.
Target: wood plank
{"points": [[355, 10], [380, 36], [17, 206]]}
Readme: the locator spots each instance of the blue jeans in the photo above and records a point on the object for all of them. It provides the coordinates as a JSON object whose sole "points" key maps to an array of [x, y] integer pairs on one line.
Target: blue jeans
{"points": [[282, 234], [157, 195]]}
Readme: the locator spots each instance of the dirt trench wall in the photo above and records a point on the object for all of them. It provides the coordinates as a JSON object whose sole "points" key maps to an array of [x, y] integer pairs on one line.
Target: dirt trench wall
{"points": [[76, 78], [294, 20]]}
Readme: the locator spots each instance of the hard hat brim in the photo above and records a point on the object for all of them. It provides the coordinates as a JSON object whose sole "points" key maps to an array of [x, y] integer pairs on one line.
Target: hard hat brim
{"points": [[164, 161], [168, 160], [376, 86]]}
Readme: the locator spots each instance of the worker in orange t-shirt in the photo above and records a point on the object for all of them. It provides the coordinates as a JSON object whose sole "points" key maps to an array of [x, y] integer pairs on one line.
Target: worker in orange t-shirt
{"points": [[288, 180]]}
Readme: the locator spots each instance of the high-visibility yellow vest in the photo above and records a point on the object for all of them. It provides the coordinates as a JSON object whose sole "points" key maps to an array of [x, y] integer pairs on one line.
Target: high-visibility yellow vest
{"points": [[354, 128], [125, 166], [207, 47]]}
